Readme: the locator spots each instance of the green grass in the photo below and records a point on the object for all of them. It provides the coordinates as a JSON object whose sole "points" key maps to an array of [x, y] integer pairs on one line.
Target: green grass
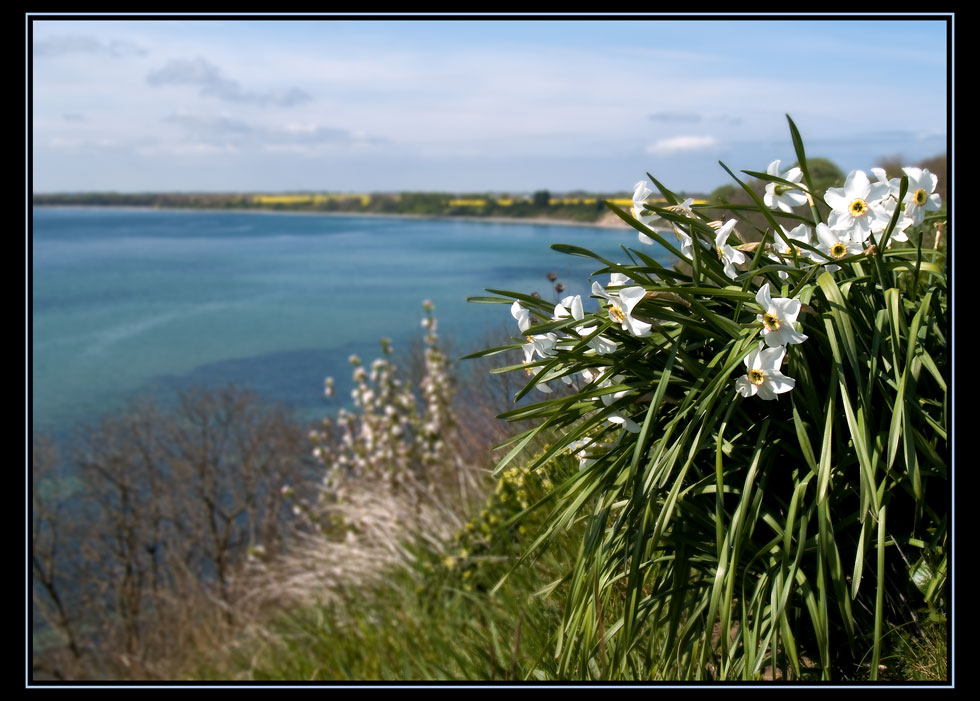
{"points": [[439, 618], [919, 656]]}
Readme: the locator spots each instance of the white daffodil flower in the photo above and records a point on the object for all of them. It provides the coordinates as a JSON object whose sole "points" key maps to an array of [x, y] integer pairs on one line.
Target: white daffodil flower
{"points": [[894, 184], [586, 375], [685, 241], [762, 376], [887, 203], [522, 315], [651, 220], [607, 399], [658, 223], [857, 206], [543, 344], [785, 240], [572, 307], [785, 244], [777, 318], [620, 304], [782, 196], [836, 244], [577, 449], [684, 208], [683, 237], [626, 422], [529, 350], [729, 256], [587, 451], [921, 196]]}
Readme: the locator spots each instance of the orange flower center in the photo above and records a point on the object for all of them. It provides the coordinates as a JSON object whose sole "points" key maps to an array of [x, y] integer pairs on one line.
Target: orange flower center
{"points": [[771, 321], [616, 314], [858, 208]]}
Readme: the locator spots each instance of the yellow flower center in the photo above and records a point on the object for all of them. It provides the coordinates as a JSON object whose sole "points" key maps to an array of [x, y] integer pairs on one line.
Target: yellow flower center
{"points": [[858, 208], [790, 250], [756, 377], [771, 321], [920, 197], [838, 250], [616, 314]]}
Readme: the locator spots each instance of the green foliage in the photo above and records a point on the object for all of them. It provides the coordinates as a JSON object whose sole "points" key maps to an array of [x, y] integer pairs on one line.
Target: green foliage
{"points": [[490, 542], [727, 537], [541, 198], [918, 652]]}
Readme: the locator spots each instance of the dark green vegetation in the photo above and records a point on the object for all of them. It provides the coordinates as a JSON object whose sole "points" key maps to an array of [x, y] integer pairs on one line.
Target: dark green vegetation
{"points": [[572, 207], [730, 535]]}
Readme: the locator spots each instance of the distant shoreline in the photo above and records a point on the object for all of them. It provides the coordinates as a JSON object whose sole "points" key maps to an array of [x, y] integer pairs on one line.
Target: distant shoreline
{"points": [[608, 221]]}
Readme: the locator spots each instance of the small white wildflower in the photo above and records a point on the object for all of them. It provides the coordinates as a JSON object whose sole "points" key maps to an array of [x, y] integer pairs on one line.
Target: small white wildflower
{"points": [[620, 304], [529, 350], [921, 196], [856, 206], [522, 315], [785, 244], [728, 255], [572, 307], [777, 318], [835, 244], [783, 196], [651, 220], [762, 376]]}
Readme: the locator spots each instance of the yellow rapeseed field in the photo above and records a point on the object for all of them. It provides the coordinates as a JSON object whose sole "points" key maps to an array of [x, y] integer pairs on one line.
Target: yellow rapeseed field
{"points": [[318, 198]]}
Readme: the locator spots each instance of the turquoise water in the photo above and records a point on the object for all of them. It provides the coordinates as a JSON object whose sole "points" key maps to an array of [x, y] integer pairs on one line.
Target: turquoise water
{"points": [[131, 301]]}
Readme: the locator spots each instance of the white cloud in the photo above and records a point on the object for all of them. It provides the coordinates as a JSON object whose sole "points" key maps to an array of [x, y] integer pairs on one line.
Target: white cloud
{"points": [[208, 77], [678, 144], [224, 130]]}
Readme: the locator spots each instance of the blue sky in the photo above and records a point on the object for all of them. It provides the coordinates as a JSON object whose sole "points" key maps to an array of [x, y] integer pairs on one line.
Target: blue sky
{"points": [[509, 106]]}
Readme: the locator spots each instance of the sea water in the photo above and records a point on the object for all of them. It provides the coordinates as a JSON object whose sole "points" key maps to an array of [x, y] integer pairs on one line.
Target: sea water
{"points": [[130, 301]]}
